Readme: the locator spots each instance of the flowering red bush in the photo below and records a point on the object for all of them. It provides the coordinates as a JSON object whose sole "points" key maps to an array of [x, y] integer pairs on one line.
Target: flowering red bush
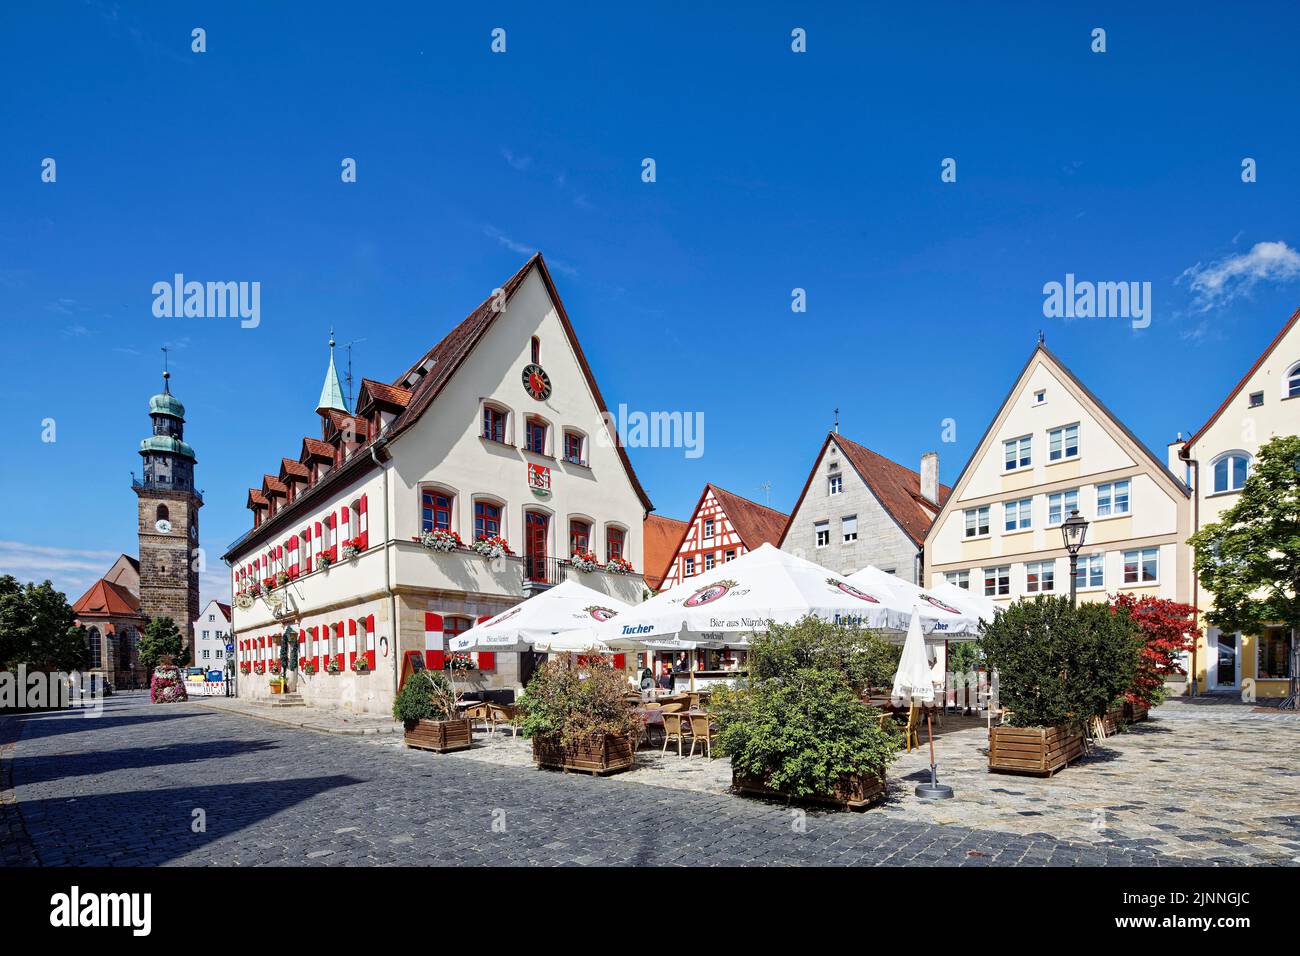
{"points": [[167, 685], [1168, 629]]}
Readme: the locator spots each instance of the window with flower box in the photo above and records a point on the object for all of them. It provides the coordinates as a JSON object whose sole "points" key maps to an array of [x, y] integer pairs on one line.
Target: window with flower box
{"points": [[579, 536], [614, 539], [487, 519], [435, 509]]}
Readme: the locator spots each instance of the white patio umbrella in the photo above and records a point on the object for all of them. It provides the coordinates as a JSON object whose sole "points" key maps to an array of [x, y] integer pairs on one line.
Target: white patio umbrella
{"points": [[724, 606], [562, 618], [941, 620], [965, 601], [912, 683]]}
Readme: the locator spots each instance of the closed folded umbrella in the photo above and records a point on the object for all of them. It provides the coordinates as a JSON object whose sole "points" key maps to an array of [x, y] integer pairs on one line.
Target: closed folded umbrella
{"points": [[912, 683]]}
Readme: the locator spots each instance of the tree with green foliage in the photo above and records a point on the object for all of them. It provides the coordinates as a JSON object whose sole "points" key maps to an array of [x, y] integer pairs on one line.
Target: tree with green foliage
{"points": [[38, 628], [865, 658], [160, 641], [1250, 558], [799, 726], [426, 695], [1058, 664]]}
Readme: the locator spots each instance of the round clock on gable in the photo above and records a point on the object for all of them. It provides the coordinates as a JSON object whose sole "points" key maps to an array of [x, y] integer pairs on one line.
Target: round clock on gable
{"points": [[163, 525], [536, 382]]}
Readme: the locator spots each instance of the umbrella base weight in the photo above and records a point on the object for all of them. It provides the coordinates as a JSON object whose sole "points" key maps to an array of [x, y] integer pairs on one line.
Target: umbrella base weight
{"points": [[934, 791]]}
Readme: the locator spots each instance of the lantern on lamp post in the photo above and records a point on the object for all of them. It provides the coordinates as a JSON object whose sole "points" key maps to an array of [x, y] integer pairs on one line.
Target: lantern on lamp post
{"points": [[1073, 530]]}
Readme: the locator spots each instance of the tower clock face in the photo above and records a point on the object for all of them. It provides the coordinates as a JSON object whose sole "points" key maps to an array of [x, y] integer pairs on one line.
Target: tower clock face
{"points": [[163, 525], [537, 383]]}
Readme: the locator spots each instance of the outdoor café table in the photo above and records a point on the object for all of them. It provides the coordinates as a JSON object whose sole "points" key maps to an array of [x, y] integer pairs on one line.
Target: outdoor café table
{"points": [[650, 717]]}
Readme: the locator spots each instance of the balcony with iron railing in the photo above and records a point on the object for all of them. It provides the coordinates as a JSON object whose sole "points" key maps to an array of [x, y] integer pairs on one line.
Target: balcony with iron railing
{"points": [[156, 485]]}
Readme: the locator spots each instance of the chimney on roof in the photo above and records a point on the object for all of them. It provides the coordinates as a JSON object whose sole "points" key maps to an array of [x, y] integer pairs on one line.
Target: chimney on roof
{"points": [[930, 477], [1173, 455]]}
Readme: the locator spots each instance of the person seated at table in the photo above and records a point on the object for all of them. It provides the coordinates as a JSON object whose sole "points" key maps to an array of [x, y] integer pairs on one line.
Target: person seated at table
{"points": [[647, 679], [666, 678]]}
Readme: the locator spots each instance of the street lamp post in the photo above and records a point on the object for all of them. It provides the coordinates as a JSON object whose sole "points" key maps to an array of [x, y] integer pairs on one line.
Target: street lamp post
{"points": [[1073, 530]]}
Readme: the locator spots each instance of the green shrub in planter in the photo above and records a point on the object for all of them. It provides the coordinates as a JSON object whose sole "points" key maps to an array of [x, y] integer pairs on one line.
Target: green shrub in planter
{"points": [[426, 695], [1058, 665], [799, 726], [576, 699]]}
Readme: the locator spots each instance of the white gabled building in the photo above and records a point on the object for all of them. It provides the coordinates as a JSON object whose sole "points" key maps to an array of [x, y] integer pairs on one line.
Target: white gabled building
{"points": [[211, 630], [499, 429], [1053, 447]]}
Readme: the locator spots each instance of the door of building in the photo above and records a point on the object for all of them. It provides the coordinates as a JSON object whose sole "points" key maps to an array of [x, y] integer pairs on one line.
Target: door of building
{"points": [[1226, 675], [537, 525]]}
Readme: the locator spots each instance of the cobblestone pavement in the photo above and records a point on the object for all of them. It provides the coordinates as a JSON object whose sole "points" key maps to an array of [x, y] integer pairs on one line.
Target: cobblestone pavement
{"points": [[130, 787]]}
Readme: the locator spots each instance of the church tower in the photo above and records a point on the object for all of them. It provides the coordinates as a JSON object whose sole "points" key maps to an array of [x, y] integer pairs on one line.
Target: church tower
{"points": [[169, 519]]}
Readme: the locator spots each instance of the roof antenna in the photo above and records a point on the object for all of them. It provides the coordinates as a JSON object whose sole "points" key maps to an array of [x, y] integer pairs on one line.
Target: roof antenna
{"points": [[837, 421], [348, 376], [766, 488], [1042, 339]]}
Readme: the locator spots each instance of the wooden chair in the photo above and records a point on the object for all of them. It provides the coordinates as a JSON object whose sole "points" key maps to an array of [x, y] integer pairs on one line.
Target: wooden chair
{"points": [[701, 729], [674, 729], [670, 708], [506, 714], [693, 701]]}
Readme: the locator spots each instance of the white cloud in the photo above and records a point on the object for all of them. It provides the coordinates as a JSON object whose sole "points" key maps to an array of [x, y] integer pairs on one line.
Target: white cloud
{"points": [[72, 570], [524, 249], [1233, 276], [517, 162]]}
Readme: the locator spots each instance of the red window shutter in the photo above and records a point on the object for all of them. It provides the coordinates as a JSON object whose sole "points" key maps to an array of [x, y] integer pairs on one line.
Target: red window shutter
{"points": [[620, 661], [433, 658], [352, 642], [487, 660], [370, 641]]}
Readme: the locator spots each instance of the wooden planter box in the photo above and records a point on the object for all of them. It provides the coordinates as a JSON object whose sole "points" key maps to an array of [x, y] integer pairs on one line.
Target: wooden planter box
{"points": [[439, 735], [1033, 750], [1134, 712], [853, 793], [1114, 719], [598, 754]]}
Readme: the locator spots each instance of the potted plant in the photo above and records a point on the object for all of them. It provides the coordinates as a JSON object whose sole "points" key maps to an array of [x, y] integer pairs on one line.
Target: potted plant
{"points": [[281, 578], [259, 667], [167, 685], [578, 717], [332, 664], [618, 565], [426, 706], [351, 549], [441, 539], [492, 546], [306, 667], [245, 667], [1058, 668], [325, 558], [361, 664], [799, 729], [585, 561], [459, 661], [277, 685]]}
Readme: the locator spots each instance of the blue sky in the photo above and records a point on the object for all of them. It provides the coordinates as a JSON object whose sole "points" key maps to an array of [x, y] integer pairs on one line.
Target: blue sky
{"points": [[775, 170]]}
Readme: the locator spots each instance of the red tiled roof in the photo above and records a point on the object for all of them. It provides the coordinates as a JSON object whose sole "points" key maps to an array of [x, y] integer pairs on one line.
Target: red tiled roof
{"points": [[384, 394], [343, 422], [756, 524], [440, 363], [105, 599], [256, 499], [896, 487], [315, 448], [225, 609], [662, 538], [272, 485], [1244, 379], [294, 469]]}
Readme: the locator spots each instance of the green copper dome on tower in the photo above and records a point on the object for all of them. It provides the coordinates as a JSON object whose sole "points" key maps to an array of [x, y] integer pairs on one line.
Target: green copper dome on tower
{"points": [[166, 403]]}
